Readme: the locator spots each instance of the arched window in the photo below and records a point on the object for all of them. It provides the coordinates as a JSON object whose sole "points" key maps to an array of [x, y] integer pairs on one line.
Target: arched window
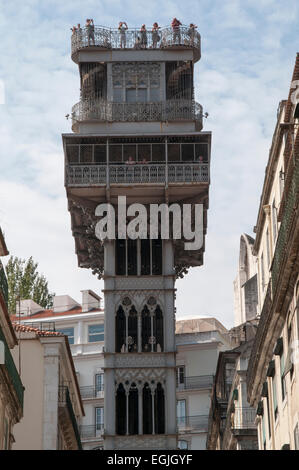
{"points": [[146, 329], [158, 329], [147, 410], [121, 410], [159, 410], [120, 329], [133, 409], [132, 330]]}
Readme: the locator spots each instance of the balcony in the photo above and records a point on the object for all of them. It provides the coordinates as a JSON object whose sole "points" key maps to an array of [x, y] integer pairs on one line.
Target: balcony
{"points": [[193, 423], [88, 175], [12, 372], [68, 419], [110, 38], [93, 431], [42, 326], [91, 391], [243, 418], [162, 111], [3, 283], [196, 383]]}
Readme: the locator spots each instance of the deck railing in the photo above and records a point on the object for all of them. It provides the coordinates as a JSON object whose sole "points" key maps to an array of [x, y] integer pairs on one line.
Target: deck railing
{"points": [[86, 175], [92, 431], [244, 418], [193, 423], [196, 382], [108, 111], [112, 38], [92, 391]]}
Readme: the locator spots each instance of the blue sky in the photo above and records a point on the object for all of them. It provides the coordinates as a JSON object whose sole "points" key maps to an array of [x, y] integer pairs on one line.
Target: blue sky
{"points": [[248, 54]]}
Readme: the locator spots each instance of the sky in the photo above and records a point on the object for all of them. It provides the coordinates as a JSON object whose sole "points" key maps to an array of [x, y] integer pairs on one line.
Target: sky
{"points": [[248, 55]]}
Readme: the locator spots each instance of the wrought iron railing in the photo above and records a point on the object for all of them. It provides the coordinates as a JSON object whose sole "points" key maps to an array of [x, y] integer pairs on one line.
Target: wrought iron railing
{"points": [[3, 283], [42, 326], [91, 391], [12, 371], [170, 110], [64, 399], [112, 38], [85, 175], [244, 418], [199, 382], [92, 431], [193, 423]]}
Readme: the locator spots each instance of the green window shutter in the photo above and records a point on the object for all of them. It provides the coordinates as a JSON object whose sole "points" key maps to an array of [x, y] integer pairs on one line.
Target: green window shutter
{"points": [[235, 394]]}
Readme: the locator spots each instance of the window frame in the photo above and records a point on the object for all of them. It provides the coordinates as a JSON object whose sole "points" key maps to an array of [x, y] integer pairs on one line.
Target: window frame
{"points": [[89, 334]]}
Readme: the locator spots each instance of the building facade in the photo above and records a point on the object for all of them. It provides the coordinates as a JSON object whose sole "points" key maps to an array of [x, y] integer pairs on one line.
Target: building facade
{"points": [[11, 387], [273, 372], [199, 342], [52, 402], [137, 134]]}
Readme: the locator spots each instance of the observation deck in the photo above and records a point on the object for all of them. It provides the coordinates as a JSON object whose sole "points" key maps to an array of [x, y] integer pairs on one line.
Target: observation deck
{"points": [[109, 39]]}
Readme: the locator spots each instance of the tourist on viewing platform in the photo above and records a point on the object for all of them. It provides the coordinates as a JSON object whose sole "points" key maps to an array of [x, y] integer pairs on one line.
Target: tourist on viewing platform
{"points": [[155, 35], [143, 35], [191, 33], [90, 31], [175, 24], [122, 28], [79, 32], [130, 161]]}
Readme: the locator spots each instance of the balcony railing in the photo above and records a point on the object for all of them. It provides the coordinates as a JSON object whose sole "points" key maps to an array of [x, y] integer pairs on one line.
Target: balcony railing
{"points": [[64, 399], [92, 431], [171, 110], [92, 392], [3, 283], [12, 371], [244, 418], [193, 423], [112, 38], [42, 326], [86, 175], [196, 382]]}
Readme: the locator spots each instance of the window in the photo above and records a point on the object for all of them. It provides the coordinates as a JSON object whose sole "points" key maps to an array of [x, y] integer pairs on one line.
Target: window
{"points": [[181, 412], [138, 257], [262, 271], [296, 437], [268, 247], [282, 369], [69, 332], [275, 405], [274, 220], [183, 445], [99, 382], [264, 432], [95, 333], [180, 376], [99, 412]]}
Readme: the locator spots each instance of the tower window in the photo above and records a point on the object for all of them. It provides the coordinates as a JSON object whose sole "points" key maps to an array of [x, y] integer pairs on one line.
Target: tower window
{"points": [[138, 257]]}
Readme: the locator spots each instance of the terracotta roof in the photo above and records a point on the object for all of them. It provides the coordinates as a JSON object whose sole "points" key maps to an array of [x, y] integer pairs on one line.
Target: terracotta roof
{"points": [[29, 329], [51, 313]]}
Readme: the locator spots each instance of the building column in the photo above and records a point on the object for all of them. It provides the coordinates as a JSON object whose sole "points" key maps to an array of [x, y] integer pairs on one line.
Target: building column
{"points": [[110, 399], [51, 391]]}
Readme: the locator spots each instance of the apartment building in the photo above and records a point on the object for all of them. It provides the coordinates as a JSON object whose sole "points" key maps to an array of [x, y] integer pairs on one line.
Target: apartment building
{"points": [[273, 371]]}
